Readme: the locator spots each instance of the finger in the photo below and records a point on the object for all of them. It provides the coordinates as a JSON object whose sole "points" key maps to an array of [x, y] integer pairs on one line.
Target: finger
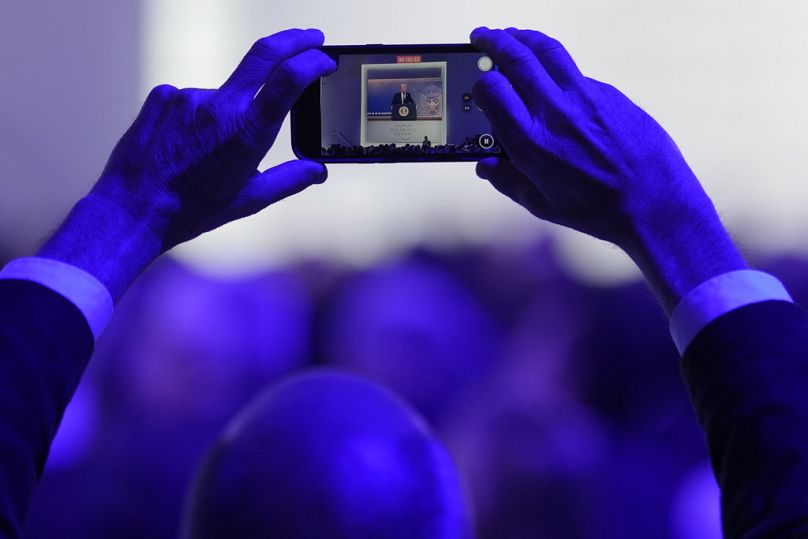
{"points": [[509, 180], [277, 183], [505, 110], [152, 109], [519, 64], [285, 84], [552, 55], [264, 56]]}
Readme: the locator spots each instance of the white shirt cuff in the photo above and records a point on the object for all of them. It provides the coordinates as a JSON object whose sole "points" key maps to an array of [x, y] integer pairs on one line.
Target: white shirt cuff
{"points": [[718, 296], [80, 288]]}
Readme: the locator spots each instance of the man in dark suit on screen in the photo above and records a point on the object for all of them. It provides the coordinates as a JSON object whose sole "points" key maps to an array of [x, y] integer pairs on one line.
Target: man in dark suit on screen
{"points": [[403, 105]]}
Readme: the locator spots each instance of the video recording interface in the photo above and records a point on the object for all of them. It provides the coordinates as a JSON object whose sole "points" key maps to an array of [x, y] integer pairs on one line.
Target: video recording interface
{"points": [[392, 104]]}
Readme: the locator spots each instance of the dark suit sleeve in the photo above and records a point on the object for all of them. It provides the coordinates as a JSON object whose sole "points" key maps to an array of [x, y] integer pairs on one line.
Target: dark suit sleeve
{"points": [[45, 343], [747, 374]]}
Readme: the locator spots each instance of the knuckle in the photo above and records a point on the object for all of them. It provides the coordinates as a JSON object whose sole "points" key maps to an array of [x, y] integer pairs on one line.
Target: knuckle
{"points": [[522, 57], [161, 92], [265, 48], [290, 74], [185, 93], [208, 111], [187, 97], [551, 44], [601, 86], [515, 51]]}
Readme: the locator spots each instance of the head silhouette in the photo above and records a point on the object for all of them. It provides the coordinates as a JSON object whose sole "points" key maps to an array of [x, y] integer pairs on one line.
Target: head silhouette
{"points": [[413, 325], [327, 454]]}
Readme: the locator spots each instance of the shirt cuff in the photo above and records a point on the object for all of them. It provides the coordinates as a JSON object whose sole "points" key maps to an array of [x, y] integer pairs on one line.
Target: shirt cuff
{"points": [[718, 296], [76, 285]]}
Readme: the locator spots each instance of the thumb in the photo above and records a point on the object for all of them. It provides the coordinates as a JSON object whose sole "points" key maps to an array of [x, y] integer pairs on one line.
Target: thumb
{"points": [[509, 180], [277, 183]]}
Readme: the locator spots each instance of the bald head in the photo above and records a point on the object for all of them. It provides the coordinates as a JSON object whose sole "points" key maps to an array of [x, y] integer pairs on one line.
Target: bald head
{"points": [[327, 454]]}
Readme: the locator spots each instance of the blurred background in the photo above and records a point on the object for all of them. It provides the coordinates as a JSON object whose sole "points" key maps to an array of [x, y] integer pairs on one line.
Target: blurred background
{"points": [[536, 353]]}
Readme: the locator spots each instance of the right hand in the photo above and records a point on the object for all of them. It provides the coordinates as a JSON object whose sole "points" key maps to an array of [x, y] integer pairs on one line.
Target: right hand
{"points": [[581, 153]]}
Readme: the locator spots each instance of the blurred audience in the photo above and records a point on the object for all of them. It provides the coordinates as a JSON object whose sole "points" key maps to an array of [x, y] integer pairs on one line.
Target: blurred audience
{"points": [[696, 511], [416, 328], [181, 356], [562, 406]]}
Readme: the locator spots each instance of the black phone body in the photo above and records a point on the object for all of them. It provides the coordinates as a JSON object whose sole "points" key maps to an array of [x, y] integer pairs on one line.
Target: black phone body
{"points": [[395, 103]]}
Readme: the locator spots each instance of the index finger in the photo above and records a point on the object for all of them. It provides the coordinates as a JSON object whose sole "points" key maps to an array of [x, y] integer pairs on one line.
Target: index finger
{"points": [[264, 56], [552, 55], [283, 86], [519, 64]]}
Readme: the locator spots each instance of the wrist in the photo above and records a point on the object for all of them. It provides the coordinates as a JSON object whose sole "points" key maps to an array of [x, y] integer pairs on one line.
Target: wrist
{"points": [[106, 239], [680, 245]]}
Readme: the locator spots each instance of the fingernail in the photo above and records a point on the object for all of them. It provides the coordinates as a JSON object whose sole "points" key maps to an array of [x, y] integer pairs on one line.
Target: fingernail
{"points": [[322, 175]]}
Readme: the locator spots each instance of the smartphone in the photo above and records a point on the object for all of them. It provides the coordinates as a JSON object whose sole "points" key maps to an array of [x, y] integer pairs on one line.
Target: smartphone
{"points": [[394, 103]]}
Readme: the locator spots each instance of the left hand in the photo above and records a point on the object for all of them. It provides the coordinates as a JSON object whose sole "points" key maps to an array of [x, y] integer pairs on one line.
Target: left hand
{"points": [[189, 163]]}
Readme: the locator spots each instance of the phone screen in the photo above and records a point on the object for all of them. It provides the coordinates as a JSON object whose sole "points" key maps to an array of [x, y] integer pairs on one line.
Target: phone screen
{"points": [[404, 103]]}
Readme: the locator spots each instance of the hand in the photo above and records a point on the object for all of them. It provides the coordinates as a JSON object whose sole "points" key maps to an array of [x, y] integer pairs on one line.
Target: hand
{"points": [[582, 155], [189, 163]]}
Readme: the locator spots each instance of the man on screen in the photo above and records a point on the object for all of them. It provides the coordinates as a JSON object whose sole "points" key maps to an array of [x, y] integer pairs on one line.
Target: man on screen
{"points": [[403, 105]]}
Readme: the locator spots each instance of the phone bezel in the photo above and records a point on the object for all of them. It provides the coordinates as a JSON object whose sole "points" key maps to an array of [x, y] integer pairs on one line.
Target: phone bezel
{"points": [[305, 114]]}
